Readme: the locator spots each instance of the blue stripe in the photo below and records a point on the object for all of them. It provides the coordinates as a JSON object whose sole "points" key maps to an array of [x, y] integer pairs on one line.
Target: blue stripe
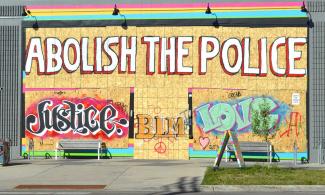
{"points": [[213, 154], [189, 15], [113, 151], [121, 151], [23, 149]]}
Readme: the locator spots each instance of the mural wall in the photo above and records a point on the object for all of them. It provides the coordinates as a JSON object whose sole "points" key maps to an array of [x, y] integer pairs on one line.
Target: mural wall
{"points": [[176, 89], [77, 114], [232, 109]]}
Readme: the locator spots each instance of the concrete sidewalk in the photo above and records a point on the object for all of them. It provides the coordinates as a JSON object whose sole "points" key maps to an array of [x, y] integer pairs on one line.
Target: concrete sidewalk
{"points": [[118, 174], [123, 174]]}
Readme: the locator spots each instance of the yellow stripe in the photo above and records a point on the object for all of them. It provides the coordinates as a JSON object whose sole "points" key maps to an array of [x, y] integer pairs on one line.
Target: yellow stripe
{"points": [[131, 141], [23, 141]]}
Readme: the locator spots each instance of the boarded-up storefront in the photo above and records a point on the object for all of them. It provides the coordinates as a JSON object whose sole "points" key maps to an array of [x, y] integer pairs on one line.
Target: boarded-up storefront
{"points": [[164, 92]]}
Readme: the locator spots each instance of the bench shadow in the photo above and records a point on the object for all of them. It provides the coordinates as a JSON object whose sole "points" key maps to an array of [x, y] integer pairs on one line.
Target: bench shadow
{"points": [[16, 164], [105, 154], [182, 186], [258, 157]]}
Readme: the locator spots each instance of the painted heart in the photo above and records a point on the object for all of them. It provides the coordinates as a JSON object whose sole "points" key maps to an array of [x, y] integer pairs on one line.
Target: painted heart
{"points": [[204, 142]]}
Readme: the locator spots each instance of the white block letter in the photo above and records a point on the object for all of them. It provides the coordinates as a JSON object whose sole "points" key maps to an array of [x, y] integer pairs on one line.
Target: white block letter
{"points": [[167, 53], [235, 44], [85, 67], [128, 55], [53, 53], [35, 51], [262, 44], [248, 71], [276, 70], [150, 58], [294, 55], [110, 54], [181, 52], [207, 55], [98, 54], [74, 44]]}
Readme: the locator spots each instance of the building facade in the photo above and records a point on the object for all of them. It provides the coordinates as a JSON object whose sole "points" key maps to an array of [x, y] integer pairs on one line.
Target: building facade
{"points": [[163, 81]]}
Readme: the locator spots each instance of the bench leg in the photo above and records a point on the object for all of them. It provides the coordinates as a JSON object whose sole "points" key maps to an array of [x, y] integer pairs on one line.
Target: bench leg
{"points": [[270, 154], [56, 150], [226, 154]]}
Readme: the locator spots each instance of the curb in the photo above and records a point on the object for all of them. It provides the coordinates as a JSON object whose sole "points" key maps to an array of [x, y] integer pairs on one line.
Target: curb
{"points": [[262, 188]]}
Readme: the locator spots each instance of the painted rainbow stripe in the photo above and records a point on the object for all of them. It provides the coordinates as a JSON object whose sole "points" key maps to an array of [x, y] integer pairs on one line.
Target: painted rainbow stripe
{"points": [[114, 152], [129, 152], [229, 5], [167, 11], [213, 154]]}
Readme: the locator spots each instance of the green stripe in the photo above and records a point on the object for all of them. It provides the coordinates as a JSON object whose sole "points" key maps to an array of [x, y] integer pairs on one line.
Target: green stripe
{"points": [[42, 154]]}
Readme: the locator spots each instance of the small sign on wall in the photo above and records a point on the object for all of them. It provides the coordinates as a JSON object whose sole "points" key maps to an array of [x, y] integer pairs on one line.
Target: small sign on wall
{"points": [[295, 99]]}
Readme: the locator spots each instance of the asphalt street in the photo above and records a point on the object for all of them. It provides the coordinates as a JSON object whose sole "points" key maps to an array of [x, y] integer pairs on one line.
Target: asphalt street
{"points": [[154, 193]]}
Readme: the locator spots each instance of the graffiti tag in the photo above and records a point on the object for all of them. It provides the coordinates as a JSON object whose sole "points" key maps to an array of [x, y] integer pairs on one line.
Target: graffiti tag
{"points": [[149, 127], [235, 94], [236, 115], [80, 116]]}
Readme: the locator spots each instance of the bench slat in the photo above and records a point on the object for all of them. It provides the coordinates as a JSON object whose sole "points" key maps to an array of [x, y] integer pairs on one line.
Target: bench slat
{"points": [[253, 143], [67, 145], [79, 144], [78, 148], [251, 146]]}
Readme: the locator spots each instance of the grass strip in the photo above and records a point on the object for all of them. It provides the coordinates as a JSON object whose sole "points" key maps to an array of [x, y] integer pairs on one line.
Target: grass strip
{"points": [[263, 175]]}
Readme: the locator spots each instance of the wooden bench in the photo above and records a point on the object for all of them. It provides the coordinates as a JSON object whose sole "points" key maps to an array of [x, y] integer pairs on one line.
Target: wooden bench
{"points": [[67, 144], [256, 147]]}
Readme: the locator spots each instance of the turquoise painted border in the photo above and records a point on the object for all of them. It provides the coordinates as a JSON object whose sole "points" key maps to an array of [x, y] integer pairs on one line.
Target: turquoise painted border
{"points": [[213, 154], [115, 152], [129, 152]]}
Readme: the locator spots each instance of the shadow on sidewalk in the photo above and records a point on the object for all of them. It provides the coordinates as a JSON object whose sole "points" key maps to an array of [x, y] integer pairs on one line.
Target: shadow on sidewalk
{"points": [[184, 185], [17, 164]]}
